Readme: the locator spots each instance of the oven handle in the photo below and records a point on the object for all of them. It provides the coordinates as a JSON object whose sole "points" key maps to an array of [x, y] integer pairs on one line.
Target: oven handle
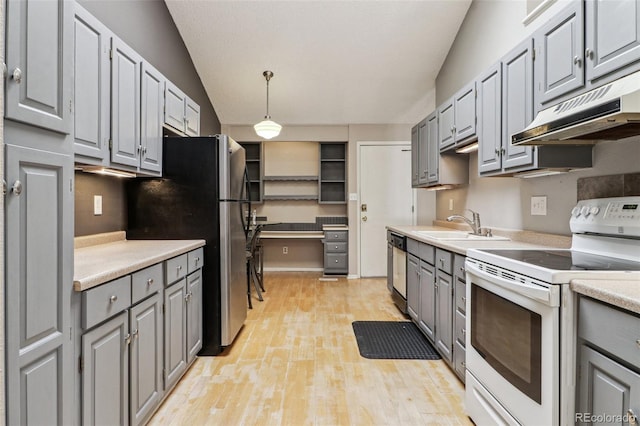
{"points": [[546, 295]]}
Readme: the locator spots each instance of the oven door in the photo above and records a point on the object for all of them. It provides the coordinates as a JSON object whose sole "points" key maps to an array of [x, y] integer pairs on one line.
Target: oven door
{"points": [[513, 346]]}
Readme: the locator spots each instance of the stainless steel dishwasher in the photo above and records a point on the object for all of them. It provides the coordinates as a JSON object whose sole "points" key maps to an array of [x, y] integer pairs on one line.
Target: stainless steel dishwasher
{"points": [[397, 269]]}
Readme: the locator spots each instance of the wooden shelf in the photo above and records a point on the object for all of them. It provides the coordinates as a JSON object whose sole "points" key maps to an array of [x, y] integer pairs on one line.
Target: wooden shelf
{"points": [[291, 197]]}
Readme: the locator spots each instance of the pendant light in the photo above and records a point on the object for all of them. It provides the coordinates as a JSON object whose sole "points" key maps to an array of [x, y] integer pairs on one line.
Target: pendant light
{"points": [[267, 129]]}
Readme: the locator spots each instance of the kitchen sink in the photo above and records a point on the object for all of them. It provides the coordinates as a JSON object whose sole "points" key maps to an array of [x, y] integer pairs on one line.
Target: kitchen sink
{"points": [[457, 236]]}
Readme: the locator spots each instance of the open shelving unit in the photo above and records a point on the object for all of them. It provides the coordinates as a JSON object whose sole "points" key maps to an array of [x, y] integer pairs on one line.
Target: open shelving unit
{"points": [[253, 158], [332, 184]]}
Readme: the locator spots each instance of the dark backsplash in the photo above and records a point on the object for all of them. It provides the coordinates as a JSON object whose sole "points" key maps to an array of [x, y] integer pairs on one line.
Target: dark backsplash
{"points": [[114, 211], [623, 185]]}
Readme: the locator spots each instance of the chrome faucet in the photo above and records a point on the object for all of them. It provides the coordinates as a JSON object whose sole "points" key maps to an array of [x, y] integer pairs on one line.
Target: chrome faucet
{"points": [[473, 223]]}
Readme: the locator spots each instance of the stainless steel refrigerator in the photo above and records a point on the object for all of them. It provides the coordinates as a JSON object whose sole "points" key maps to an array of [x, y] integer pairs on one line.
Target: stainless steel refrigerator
{"points": [[202, 195]]}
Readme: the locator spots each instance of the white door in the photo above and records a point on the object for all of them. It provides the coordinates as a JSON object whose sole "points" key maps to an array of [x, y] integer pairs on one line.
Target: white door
{"points": [[386, 198]]}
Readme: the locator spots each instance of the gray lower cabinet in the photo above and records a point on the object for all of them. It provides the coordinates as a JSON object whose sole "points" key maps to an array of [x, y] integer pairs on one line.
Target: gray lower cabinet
{"points": [[39, 253], [459, 316], [194, 314], [608, 371], [175, 322], [444, 317], [413, 286], [427, 319], [336, 252], [105, 373]]}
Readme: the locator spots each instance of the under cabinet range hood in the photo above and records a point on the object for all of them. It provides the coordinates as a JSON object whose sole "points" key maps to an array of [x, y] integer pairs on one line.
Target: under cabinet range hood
{"points": [[609, 112]]}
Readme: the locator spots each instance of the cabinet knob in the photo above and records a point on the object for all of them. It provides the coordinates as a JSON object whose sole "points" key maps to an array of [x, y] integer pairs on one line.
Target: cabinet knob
{"points": [[150, 281], [577, 61], [134, 335], [336, 260], [179, 267], [4, 187], [17, 75], [197, 260], [113, 299], [638, 343], [127, 339], [464, 299], [588, 53], [631, 416], [17, 187]]}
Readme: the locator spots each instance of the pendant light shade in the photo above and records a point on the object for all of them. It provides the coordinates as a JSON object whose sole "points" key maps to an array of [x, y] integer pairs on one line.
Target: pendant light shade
{"points": [[267, 128]]}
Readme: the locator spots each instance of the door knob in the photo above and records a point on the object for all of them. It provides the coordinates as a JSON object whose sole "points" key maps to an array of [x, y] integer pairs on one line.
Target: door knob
{"points": [[364, 218]]}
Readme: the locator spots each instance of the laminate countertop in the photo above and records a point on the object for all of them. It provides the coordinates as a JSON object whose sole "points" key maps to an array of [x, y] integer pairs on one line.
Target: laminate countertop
{"points": [[624, 294], [101, 262]]}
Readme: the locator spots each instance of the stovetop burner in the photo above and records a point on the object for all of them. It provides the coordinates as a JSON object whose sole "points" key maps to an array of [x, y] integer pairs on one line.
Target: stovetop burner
{"points": [[568, 260]]}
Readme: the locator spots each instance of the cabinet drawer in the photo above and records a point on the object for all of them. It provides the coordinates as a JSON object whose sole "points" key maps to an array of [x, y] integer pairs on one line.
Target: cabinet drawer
{"points": [[146, 282], [622, 336], [195, 259], [458, 266], [102, 302], [461, 296], [331, 236], [444, 260], [176, 268], [335, 247], [427, 253], [413, 247], [459, 328], [459, 360], [335, 261]]}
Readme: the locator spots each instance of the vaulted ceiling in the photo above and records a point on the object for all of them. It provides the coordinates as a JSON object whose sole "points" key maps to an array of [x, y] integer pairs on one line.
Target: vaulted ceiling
{"points": [[335, 62]]}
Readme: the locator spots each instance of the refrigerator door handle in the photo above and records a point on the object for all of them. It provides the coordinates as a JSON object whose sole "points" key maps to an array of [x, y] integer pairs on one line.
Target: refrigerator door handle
{"points": [[247, 196]]}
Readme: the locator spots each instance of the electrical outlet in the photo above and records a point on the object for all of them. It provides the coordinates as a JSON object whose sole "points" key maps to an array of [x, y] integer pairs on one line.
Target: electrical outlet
{"points": [[285, 250], [539, 206], [97, 205], [450, 204]]}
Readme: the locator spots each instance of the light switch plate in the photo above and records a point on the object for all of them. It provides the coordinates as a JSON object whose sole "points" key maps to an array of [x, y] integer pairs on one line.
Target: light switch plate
{"points": [[539, 206], [353, 196], [97, 205]]}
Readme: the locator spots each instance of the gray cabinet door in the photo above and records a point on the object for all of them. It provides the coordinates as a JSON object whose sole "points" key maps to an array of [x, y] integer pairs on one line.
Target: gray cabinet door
{"points": [[105, 374], [194, 314], [424, 152], [606, 388], [559, 47], [490, 119], [39, 273], [465, 112], [175, 326], [427, 300], [125, 104], [39, 40], [174, 106], [192, 118], [517, 103], [151, 110], [446, 122], [413, 286], [432, 150], [415, 156], [612, 36], [444, 315], [92, 79], [145, 358]]}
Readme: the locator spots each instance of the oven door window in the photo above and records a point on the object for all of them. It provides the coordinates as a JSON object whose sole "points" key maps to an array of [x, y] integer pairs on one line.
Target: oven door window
{"points": [[508, 337]]}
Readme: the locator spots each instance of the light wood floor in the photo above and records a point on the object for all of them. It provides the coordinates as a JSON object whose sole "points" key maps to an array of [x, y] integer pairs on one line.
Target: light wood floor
{"points": [[296, 362]]}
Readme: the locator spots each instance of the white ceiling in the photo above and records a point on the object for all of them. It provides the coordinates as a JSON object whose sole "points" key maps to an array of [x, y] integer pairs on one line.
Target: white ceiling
{"points": [[334, 62]]}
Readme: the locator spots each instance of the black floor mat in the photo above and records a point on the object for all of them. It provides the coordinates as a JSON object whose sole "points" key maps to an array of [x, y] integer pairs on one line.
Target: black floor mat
{"points": [[392, 340]]}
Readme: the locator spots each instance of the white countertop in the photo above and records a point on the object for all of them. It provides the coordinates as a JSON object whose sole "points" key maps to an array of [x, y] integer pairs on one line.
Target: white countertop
{"points": [[97, 264]]}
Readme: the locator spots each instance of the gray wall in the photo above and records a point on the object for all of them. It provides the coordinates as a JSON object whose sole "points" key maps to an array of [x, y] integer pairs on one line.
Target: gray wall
{"points": [[114, 210], [490, 29], [148, 28]]}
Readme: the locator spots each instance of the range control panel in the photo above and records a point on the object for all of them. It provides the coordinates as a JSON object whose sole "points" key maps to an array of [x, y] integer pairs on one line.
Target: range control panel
{"points": [[611, 216]]}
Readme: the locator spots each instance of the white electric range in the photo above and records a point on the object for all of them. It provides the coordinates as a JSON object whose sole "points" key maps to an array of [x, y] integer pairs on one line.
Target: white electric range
{"points": [[520, 343]]}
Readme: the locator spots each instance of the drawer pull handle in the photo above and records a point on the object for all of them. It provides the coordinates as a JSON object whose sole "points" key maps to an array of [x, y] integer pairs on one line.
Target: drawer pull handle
{"points": [[113, 298], [150, 281]]}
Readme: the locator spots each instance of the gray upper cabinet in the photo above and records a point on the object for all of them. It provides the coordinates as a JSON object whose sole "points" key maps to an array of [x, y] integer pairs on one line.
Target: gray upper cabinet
{"points": [[125, 104], [446, 123], [464, 103], [415, 156], [151, 111], [39, 58], [105, 374], [423, 151], [431, 144], [39, 273], [180, 112], [559, 61], [517, 103], [91, 88], [490, 119], [612, 37]]}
